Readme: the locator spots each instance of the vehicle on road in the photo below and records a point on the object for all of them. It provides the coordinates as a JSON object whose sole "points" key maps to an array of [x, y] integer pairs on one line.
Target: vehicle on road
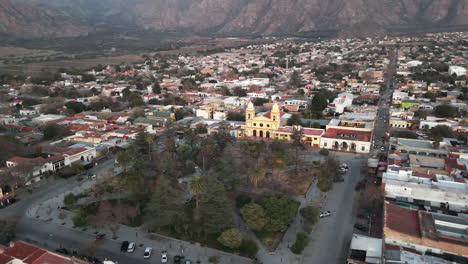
{"points": [[147, 253], [360, 227], [91, 176], [124, 246], [99, 236], [131, 247], [164, 257], [325, 214], [188, 262], [382, 149], [344, 165], [338, 179], [177, 260]]}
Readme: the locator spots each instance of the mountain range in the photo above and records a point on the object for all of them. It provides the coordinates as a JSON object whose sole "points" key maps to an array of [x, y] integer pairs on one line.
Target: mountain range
{"points": [[63, 18]]}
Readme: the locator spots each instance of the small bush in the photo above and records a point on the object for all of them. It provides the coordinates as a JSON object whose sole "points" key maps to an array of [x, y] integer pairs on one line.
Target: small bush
{"points": [[324, 152], [70, 199], [242, 199], [80, 220], [302, 240], [213, 259], [248, 248]]}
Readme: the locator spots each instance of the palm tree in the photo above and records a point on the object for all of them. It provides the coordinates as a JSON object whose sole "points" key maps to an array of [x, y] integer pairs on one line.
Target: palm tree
{"points": [[256, 175], [149, 139], [197, 187]]}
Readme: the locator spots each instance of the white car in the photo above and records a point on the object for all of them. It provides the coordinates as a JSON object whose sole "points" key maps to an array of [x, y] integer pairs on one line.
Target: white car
{"points": [[382, 149], [164, 257], [325, 214], [147, 253], [131, 247]]}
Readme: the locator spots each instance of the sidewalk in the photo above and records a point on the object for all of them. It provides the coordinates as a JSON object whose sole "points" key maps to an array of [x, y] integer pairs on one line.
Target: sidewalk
{"points": [[50, 211]]}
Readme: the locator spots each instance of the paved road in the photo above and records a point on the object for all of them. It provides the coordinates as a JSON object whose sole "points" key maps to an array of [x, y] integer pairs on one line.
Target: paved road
{"points": [[331, 236]]}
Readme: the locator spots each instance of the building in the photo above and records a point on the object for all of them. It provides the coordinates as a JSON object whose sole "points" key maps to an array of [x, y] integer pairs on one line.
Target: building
{"points": [[24, 253], [416, 146], [264, 125], [257, 94], [457, 70], [348, 135], [425, 232], [339, 104], [364, 249], [310, 136]]}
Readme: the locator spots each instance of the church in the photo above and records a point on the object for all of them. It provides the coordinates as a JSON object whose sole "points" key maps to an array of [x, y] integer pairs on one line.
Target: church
{"points": [[261, 126]]}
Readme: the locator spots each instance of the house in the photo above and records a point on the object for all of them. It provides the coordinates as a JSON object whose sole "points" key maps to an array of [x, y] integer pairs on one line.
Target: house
{"points": [[425, 232], [348, 135], [23, 253], [339, 104], [310, 136], [257, 94], [457, 70], [364, 249], [27, 112]]}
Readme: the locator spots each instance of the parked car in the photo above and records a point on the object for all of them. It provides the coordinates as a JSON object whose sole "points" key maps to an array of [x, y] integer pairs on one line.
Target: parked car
{"points": [[361, 227], [338, 179], [147, 253], [124, 246], [91, 176], [99, 236], [164, 257], [177, 259], [131, 247], [188, 262], [325, 214], [344, 165]]}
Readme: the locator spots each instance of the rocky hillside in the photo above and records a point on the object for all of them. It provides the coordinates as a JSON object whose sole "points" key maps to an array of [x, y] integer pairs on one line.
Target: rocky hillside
{"points": [[263, 17], [24, 21]]}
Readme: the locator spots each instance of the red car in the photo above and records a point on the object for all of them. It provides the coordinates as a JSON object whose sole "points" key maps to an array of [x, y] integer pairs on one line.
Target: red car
{"points": [[99, 236]]}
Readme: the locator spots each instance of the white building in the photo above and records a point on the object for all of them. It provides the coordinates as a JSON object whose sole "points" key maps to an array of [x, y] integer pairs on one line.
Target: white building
{"points": [[342, 101], [257, 94], [457, 70]]}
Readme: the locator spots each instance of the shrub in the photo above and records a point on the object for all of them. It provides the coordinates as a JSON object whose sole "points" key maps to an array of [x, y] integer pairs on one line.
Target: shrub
{"points": [[70, 199], [302, 240], [242, 199], [213, 259], [324, 152], [248, 248], [231, 238], [80, 219]]}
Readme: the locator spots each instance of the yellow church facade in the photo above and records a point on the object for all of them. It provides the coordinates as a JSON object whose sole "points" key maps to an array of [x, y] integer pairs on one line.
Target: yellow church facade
{"points": [[261, 126]]}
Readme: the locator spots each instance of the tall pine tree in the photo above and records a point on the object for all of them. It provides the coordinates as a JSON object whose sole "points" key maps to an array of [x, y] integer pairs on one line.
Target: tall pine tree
{"points": [[215, 208], [166, 206]]}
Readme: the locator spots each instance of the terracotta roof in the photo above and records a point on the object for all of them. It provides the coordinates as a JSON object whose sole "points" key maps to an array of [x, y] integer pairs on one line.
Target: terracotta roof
{"points": [[4, 259], [27, 161], [23, 251], [348, 134], [402, 220]]}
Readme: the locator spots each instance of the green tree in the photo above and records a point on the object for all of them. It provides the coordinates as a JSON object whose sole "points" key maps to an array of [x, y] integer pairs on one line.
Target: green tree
{"points": [[256, 175], [124, 159], [319, 102], [445, 110], [254, 216], [260, 101], [239, 92], [149, 140], [166, 206], [302, 240], [141, 142], [75, 107], [156, 88], [295, 79], [297, 145], [235, 116], [294, 120], [228, 167], [281, 210], [231, 238], [197, 187], [311, 216], [215, 208], [441, 131], [248, 248]]}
